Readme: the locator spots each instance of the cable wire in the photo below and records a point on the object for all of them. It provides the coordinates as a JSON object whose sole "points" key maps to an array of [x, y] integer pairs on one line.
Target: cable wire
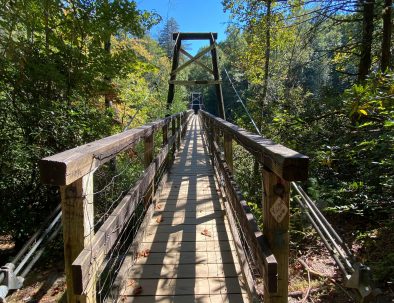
{"points": [[240, 101]]}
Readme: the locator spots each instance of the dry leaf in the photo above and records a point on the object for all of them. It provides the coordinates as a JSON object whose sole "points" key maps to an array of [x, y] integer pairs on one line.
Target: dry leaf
{"points": [[137, 290], [159, 219], [144, 253], [132, 282], [206, 232], [158, 206]]}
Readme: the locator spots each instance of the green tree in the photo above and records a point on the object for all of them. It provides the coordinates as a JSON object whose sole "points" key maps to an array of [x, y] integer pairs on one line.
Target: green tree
{"points": [[52, 82], [165, 36]]}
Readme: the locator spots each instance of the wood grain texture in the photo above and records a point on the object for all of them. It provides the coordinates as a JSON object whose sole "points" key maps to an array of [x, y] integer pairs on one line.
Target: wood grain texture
{"points": [[68, 166], [284, 162], [78, 225], [191, 251], [91, 258], [245, 229], [276, 229]]}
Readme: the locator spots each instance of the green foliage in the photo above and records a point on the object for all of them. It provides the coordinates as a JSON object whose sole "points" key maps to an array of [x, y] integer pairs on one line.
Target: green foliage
{"points": [[313, 105], [57, 59]]}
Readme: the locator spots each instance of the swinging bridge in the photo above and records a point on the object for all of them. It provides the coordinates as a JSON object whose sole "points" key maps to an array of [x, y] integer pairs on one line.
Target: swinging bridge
{"points": [[183, 232]]}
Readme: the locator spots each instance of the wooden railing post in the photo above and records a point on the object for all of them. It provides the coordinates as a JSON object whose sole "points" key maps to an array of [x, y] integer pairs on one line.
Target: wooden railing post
{"points": [[178, 127], [209, 130], [276, 205], [148, 158], [185, 117], [165, 134], [78, 230], [173, 132], [228, 150]]}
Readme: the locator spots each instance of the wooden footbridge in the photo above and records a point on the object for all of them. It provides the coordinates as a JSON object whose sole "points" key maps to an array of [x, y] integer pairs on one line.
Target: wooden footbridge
{"points": [[183, 232], [154, 214], [193, 237]]}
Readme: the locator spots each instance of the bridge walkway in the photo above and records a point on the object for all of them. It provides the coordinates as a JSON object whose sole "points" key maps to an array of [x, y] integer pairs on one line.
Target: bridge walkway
{"points": [[189, 251]]}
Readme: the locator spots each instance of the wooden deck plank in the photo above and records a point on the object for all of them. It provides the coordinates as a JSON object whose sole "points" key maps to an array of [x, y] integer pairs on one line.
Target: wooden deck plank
{"points": [[191, 252], [193, 257], [178, 246], [220, 298], [181, 236], [187, 228], [194, 286], [183, 271]]}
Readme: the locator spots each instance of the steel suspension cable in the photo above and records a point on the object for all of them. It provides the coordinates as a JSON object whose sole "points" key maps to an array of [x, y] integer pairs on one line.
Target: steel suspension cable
{"points": [[240, 101], [319, 221]]}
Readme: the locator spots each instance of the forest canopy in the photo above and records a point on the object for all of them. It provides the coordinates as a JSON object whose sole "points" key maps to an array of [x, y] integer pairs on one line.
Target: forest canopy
{"points": [[316, 76]]}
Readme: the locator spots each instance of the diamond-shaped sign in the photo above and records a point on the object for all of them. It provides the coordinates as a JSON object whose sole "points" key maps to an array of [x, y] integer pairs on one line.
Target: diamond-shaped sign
{"points": [[279, 210]]}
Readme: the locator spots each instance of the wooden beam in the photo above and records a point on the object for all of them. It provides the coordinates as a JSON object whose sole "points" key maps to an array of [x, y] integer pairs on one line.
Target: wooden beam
{"points": [[284, 162], [148, 158], [216, 75], [194, 82], [194, 36], [78, 230], [178, 136], [191, 57], [276, 209], [175, 63], [196, 57], [71, 165], [173, 133], [87, 263], [228, 150], [241, 218]]}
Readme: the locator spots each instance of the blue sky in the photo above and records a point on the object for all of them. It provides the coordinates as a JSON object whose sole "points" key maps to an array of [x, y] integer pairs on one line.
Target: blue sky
{"points": [[191, 15]]}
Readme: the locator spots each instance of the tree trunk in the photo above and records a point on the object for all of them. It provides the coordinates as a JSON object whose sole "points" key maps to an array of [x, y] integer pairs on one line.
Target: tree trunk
{"points": [[366, 46], [267, 56], [386, 40], [107, 79]]}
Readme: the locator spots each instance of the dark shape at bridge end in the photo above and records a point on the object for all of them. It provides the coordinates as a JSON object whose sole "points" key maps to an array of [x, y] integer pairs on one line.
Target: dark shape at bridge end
{"points": [[195, 36]]}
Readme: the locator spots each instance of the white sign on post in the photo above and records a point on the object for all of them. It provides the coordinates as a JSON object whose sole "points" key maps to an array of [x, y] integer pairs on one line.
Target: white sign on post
{"points": [[279, 210]]}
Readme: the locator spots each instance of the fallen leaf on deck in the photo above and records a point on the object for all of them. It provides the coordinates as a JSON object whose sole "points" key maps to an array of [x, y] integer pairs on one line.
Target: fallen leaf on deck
{"points": [[137, 289], [144, 253], [131, 282], [206, 232], [159, 219], [158, 206]]}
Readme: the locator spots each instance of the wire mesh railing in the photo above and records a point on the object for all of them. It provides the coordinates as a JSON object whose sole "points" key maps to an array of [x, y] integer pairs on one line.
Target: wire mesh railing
{"points": [[263, 256], [107, 188]]}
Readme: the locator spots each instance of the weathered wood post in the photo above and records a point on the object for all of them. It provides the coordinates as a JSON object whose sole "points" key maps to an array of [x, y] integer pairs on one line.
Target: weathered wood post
{"points": [[148, 158], [78, 230], [185, 117], [165, 141], [228, 150], [178, 127], [276, 205], [281, 165], [210, 134], [173, 132], [165, 134]]}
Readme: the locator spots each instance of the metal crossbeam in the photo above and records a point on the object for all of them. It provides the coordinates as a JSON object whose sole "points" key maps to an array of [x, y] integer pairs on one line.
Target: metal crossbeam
{"points": [[196, 61]]}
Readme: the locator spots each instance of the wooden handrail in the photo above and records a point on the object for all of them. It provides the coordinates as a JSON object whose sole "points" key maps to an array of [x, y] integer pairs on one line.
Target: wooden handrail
{"points": [[280, 165], [93, 255], [73, 170], [66, 167], [284, 162], [259, 250]]}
